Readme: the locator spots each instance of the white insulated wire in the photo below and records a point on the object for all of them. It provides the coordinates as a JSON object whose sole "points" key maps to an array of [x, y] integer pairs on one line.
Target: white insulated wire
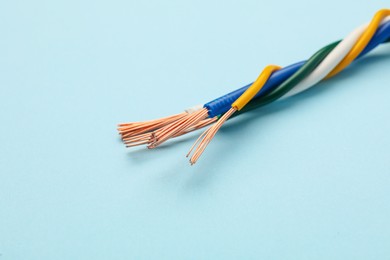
{"points": [[193, 109], [331, 61]]}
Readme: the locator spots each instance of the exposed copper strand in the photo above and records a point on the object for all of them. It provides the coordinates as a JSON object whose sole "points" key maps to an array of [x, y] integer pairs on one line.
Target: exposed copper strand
{"points": [[148, 137], [136, 128], [208, 136]]}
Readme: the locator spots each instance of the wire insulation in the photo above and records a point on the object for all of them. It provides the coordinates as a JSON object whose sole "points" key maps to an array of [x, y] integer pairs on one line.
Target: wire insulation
{"points": [[291, 82], [222, 104], [330, 62], [255, 87], [362, 43]]}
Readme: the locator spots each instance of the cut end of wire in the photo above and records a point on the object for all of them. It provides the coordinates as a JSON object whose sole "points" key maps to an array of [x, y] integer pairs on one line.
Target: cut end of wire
{"points": [[127, 130], [206, 137], [148, 138], [137, 140]]}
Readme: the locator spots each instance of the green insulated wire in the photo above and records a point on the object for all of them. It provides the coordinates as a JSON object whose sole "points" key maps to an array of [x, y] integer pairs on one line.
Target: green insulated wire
{"points": [[291, 82]]}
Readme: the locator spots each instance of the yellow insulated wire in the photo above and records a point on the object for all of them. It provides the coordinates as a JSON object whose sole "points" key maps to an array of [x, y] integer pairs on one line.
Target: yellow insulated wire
{"points": [[240, 102], [361, 43], [351, 56], [250, 93], [255, 87]]}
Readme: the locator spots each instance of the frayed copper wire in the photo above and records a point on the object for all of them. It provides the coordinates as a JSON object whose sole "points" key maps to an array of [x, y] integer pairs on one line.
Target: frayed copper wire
{"points": [[206, 137], [148, 138], [169, 131], [136, 128]]}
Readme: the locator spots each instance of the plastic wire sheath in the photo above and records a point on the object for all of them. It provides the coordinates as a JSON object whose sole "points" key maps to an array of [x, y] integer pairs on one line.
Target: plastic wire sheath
{"points": [[292, 81], [382, 35], [330, 62], [362, 42], [255, 87], [222, 104]]}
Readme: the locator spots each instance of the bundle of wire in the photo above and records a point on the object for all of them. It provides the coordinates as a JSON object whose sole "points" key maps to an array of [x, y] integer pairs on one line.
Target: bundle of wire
{"points": [[272, 84]]}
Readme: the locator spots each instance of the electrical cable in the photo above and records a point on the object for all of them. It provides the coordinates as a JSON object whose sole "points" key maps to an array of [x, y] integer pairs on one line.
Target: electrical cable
{"points": [[331, 61], [350, 48], [145, 132], [273, 83], [222, 104], [362, 42], [240, 105], [292, 81]]}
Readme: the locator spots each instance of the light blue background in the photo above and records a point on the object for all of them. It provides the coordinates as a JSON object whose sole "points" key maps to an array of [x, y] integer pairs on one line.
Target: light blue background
{"points": [[307, 178]]}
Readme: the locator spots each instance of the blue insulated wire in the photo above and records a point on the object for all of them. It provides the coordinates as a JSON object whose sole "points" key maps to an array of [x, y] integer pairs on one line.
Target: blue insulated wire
{"points": [[222, 104]]}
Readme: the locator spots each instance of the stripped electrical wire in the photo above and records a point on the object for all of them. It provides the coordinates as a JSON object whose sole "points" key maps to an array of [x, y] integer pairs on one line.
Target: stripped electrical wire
{"points": [[272, 84], [237, 105]]}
